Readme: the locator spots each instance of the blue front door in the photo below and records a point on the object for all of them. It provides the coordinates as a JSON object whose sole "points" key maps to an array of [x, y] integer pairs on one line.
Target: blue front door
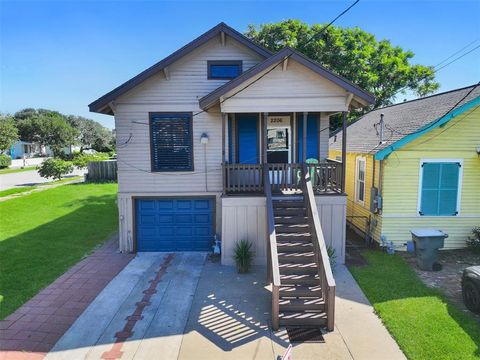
{"points": [[184, 224]]}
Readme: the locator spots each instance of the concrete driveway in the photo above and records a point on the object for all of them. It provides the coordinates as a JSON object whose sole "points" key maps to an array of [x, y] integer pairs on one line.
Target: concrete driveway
{"points": [[27, 178], [181, 306]]}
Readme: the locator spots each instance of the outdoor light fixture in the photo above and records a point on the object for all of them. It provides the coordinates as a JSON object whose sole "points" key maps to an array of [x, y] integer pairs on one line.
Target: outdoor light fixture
{"points": [[478, 150], [204, 139]]}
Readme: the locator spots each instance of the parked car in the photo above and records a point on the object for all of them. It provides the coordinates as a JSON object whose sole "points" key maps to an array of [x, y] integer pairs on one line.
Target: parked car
{"points": [[471, 288]]}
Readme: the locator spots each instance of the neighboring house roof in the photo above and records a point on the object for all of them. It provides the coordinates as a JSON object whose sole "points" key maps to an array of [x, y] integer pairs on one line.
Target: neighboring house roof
{"points": [[102, 104], [406, 121], [214, 97]]}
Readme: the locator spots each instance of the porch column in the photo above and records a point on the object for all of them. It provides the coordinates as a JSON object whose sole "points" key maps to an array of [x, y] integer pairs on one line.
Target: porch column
{"points": [[344, 149], [224, 178], [224, 119], [265, 137], [304, 143]]}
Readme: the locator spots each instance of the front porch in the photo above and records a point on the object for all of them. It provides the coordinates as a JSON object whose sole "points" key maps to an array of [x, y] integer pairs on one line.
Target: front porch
{"points": [[283, 145]]}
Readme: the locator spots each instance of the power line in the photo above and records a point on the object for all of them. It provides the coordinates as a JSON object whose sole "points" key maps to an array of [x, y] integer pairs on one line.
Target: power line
{"points": [[455, 53], [274, 67], [435, 70]]}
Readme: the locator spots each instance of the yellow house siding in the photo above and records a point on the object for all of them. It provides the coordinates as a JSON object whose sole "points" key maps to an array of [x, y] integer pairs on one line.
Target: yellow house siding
{"points": [[359, 214], [458, 139]]}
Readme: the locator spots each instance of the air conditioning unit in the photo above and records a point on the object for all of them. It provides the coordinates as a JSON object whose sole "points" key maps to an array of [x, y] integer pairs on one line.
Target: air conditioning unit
{"points": [[375, 200]]}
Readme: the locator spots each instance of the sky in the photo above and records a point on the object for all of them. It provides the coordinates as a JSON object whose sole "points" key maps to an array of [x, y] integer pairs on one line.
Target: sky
{"points": [[62, 55]]}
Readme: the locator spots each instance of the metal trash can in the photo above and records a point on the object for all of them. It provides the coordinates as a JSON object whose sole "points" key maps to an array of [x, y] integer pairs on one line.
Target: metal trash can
{"points": [[426, 243]]}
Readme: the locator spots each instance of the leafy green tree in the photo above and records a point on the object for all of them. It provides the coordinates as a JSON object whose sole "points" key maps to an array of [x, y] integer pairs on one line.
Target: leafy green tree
{"points": [[49, 128], [375, 65], [8, 133], [91, 135], [55, 168]]}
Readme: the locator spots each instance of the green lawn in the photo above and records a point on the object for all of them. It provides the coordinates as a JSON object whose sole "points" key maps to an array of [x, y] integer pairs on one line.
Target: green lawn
{"points": [[22, 189], [45, 233], [9, 171], [420, 319]]}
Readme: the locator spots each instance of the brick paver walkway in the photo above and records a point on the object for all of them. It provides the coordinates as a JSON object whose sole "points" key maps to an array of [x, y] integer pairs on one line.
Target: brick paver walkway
{"points": [[32, 330]]}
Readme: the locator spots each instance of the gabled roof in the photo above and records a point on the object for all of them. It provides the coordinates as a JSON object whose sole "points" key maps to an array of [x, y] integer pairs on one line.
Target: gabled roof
{"points": [[406, 121], [102, 103], [214, 97]]}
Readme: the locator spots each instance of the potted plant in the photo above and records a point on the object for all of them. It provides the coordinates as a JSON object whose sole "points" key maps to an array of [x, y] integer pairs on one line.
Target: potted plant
{"points": [[243, 256]]}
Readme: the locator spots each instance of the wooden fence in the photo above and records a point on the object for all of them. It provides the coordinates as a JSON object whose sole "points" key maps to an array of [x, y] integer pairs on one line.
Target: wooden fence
{"points": [[99, 171]]}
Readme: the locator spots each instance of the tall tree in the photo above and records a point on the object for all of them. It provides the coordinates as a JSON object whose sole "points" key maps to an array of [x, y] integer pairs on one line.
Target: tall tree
{"points": [[91, 135], [376, 66], [49, 128], [8, 133]]}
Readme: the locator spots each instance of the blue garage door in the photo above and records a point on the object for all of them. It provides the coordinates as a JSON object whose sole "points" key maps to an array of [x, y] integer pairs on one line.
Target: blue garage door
{"points": [[174, 224]]}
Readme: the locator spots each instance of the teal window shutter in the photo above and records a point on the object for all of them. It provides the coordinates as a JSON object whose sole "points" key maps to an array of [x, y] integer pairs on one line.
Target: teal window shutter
{"points": [[439, 189]]}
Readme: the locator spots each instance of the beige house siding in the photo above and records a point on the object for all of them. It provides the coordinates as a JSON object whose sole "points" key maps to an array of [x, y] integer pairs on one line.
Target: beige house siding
{"points": [[244, 218], [296, 89], [187, 82]]}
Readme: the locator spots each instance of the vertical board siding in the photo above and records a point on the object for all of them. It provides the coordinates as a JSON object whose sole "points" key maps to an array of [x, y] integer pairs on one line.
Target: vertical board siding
{"points": [[188, 82], [458, 139], [244, 218]]}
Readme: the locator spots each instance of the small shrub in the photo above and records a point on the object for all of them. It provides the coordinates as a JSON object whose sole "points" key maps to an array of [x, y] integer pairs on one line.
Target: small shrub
{"points": [[55, 168], [80, 160], [5, 161], [473, 241], [332, 256], [243, 256]]}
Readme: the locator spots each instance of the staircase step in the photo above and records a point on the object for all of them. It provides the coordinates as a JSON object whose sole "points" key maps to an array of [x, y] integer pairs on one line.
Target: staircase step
{"points": [[294, 237], [288, 204], [289, 211], [294, 246], [299, 279], [295, 268], [289, 318], [298, 219], [292, 228], [300, 305], [296, 257], [300, 291]]}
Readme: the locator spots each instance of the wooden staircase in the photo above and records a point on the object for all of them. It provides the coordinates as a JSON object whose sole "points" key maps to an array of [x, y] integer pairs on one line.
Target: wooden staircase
{"points": [[303, 288], [300, 295]]}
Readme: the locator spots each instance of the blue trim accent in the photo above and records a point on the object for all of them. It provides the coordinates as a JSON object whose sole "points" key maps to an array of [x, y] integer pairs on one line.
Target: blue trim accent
{"points": [[230, 143], [247, 138], [382, 154], [312, 136]]}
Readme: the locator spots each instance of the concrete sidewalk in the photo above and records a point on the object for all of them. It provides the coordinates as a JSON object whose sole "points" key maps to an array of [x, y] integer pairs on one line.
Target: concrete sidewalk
{"points": [[202, 310]]}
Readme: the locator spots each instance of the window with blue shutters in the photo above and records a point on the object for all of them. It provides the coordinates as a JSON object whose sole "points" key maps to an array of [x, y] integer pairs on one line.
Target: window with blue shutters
{"points": [[439, 188], [171, 142]]}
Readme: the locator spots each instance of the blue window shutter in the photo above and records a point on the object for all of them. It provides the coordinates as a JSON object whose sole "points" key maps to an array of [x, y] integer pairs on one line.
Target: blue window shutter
{"points": [[247, 138], [439, 189], [171, 142], [312, 136], [448, 189], [230, 146]]}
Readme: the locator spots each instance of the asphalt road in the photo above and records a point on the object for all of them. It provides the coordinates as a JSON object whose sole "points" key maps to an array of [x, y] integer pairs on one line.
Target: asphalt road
{"points": [[27, 178]]}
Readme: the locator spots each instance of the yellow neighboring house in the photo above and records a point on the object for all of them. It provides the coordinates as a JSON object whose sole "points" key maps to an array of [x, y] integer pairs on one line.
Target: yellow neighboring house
{"points": [[415, 165]]}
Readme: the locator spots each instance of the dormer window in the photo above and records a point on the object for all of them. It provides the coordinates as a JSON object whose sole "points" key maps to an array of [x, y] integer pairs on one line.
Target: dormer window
{"points": [[224, 69]]}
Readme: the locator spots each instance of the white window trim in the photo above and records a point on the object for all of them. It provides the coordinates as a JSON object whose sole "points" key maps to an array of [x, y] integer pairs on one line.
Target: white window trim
{"points": [[420, 184], [357, 161]]}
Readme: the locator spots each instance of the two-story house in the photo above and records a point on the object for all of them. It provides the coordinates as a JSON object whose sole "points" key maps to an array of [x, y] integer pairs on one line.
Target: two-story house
{"points": [[214, 139]]}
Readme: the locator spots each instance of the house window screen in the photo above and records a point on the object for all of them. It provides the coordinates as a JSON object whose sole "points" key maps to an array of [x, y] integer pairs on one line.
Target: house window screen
{"points": [[360, 180], [171, 142], [224, 69]]}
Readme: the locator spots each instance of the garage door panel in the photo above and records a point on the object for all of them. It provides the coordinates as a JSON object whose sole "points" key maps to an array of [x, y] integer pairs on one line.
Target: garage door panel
{"points": [[174, 224], [147, 219], [184, 219]]}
